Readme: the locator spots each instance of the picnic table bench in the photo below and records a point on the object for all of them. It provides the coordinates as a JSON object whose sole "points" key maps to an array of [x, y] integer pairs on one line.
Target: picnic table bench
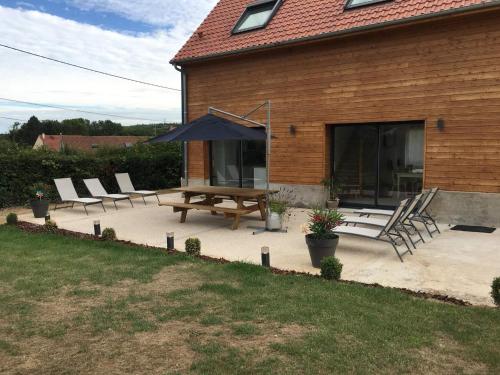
{"points": [[214, 195]]}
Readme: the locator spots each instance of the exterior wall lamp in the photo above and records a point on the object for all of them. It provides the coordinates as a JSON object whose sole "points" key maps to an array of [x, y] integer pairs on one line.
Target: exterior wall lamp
{"points": [[440, 124]]}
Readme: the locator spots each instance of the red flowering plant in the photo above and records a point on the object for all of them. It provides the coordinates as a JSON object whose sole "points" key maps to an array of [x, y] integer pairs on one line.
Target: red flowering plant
{"points": [[41, 191], [322, 221]]}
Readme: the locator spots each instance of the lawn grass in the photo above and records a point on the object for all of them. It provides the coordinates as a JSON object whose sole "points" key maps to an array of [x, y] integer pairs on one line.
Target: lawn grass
{"points": [[80, 306]]}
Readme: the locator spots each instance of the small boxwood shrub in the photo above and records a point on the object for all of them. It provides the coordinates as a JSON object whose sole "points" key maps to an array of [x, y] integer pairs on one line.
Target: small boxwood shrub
{"points": [[495, 291], [11, 219], [108, 234], [193, 246], [331, 268], [50, 226]]}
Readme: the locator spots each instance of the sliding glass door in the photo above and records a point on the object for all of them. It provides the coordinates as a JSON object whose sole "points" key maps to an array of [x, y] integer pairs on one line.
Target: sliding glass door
{"points": [[238, 163], [225, 163], [378, 164], [355, 155]]}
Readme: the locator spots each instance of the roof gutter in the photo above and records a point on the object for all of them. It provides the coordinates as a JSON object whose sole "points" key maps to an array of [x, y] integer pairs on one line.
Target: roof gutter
{"points": [[184, 109], [404, 21]]}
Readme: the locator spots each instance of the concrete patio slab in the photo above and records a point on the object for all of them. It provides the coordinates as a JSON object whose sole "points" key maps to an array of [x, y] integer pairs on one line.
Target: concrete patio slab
{"points": [[457, 264]]}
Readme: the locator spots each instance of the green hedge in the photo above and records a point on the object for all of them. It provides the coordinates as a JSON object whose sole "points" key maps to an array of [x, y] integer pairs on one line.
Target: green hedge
{"points": [[150, 167]]}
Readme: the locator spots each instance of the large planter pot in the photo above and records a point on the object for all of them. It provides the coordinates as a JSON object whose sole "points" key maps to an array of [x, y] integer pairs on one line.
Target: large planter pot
{"points": [[40, 207], [321, 248], [333, 204], [274, 221]]}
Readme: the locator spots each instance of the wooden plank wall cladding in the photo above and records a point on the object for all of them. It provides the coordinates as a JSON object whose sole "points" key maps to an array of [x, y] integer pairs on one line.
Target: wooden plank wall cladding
{"points": [[446, 69]]}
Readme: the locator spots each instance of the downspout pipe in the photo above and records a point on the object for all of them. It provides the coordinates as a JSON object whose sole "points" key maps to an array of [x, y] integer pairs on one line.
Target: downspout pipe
{"points": [[184, 109]]}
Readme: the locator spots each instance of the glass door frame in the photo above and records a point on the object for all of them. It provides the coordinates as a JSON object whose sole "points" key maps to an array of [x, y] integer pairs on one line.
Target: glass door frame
{"points": [[379, 126]]}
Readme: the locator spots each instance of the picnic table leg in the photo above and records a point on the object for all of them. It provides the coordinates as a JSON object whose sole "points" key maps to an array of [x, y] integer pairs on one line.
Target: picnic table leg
{"points": [[236, 221], [187, 198], [262, 208], [210, 202]]}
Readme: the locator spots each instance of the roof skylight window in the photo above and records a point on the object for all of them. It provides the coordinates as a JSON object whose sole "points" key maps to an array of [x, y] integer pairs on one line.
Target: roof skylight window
{"points": [[257, 15], [359, 3]]}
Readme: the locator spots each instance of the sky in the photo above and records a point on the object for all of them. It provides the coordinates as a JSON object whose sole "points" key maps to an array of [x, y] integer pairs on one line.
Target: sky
{"points": [[131, 38]]}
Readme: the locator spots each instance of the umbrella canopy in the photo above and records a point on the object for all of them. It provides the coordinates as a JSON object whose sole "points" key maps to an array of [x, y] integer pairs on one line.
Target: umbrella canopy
{"points": [[211, 128]]}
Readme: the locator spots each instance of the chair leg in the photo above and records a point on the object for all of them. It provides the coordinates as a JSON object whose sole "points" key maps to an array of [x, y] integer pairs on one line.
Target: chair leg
{"points": [[435, 225], [85, 208], [425, 225], [418, 232], [144, 199], [104, 208], [130, 200], [55, 207], [158, 198], [400, 235], [432, 221], [427, 228], [116, 207], [397, 252], [409, 237], [73, 205], [393, 242]]}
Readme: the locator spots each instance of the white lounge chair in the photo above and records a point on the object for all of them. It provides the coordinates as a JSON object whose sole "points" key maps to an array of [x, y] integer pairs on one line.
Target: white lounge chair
{"points": [[96, 189], [126, 187], [421, 214], [388, 233], [68, 194], [403, 224]]}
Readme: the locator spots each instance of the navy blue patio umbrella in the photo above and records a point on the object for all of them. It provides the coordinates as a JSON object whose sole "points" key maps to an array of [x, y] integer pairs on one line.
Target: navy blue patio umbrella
{"points": [[212, 128]]}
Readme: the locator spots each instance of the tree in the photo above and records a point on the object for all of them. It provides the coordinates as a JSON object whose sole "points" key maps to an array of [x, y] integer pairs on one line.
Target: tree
{"points": [[76, 126], [105, 128], [28, 132]]}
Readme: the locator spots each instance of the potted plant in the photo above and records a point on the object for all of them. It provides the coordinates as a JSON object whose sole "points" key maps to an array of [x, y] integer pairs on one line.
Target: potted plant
{"points": [[320, 239], [39, 205], [334, 188], [279, 209]]}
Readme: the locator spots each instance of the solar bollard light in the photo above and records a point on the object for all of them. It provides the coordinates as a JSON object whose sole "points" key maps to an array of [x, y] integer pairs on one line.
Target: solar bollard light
{"points": [[266, 259], [47, 218], [97, 228], [170, 241]]}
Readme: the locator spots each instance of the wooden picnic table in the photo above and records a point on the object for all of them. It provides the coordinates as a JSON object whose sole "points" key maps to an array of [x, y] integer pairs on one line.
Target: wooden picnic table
{"points": [[214, 195]]}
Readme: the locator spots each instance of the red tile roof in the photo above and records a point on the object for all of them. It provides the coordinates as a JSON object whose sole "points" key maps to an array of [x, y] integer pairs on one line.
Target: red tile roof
{"points": [[86, 143], [306, 19]]}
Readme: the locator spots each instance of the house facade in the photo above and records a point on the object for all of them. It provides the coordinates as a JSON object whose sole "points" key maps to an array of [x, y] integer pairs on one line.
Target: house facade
{"points": [[386, 97], [85, 142]]}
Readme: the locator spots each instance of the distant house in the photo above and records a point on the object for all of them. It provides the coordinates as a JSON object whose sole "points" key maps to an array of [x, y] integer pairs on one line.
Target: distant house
{"points": [[84, 142], [386, 96]]}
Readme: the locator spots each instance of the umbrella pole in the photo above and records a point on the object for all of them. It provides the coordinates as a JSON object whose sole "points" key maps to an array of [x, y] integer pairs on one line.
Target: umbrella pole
{"points": [[268, 158], [268, 171]]}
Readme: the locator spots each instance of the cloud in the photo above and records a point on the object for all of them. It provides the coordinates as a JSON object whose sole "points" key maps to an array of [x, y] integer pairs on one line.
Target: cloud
{"points": [[143, 57], [161, 13], [25, 4]]}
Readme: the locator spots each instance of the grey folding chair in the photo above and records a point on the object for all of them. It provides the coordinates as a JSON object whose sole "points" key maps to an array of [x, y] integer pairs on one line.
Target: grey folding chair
{"points": [[68, 194], [389, 233], [403, 224], [421, 215], [96, 189], [126, 187]]}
